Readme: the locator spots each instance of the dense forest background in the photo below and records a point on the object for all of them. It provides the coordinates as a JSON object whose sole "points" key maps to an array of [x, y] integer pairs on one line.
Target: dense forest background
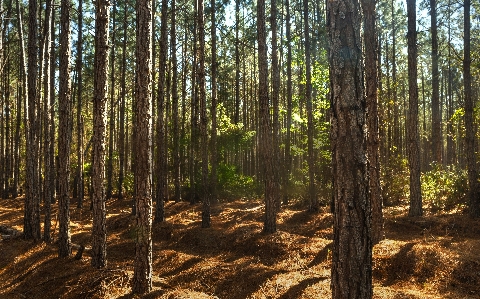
{"points": [[220, 101]]}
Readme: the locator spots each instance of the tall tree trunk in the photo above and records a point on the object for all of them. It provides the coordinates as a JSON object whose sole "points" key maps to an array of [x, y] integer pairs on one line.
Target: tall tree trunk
{"points": [[142, 276], [352, 243], [79, 62], [176, 134], [275, 102], [436, 119], [64, 131], [193, 117], [99, 229], [160, 170], [265, 146], [213, 108], [121, 143], [373, 142], [288, 154], [413, 136], [473, 194], [397, 133], [111, 124], [48, 192], [309, 106], [203, 114], [32, 197], [52, 168]]}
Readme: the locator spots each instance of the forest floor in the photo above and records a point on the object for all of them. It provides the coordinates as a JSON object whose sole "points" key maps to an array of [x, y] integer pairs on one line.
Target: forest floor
{"points": [[436, 256]]}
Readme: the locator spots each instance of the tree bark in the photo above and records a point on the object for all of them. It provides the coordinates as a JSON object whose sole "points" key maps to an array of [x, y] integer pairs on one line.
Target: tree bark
{"points": [[121, 143], [288, 154], [373, 140], [142, 276], [80, 158], [176, 133], [111, 124], [213, 108], [64, 132], [99, 228], [473, 194], [352, 243], [436, 119], [265, 146], [32, 196], [413, 135]]}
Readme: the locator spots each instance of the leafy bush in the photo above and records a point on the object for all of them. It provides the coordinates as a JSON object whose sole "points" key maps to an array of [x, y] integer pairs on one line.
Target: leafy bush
{"points": [[444, 187], [395, 181], [234, 185]]}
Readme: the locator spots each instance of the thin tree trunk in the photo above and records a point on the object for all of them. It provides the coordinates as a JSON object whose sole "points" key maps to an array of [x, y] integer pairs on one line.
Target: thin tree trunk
{"points": [[413, 136], [32, 197], [121, 143], [473, 194], [99, 228], [80, 158], [111, 124], [266, 149], [275, 102], [142, 276], [352, 244], [309, 106], [288, 154], [213, 108], [48, 192], [176, 134], [160, 171], [436, 119]]}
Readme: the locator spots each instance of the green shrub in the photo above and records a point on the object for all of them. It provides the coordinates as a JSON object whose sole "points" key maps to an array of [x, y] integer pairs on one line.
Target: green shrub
{"points": [[234, 185]]}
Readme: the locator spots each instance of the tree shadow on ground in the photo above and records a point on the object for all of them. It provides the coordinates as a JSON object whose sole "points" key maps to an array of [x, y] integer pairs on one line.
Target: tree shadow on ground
{"points": [[321, 256], [297, 290]]}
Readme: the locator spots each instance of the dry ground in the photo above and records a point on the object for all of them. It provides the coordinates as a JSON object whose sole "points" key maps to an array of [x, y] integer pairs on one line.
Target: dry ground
{"points": [[430, 257]]}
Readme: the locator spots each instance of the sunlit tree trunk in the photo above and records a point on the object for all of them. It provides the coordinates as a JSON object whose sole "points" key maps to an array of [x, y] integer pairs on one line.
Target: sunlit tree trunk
{"points": [[121, 143], [265, 146], [64, 131], [100, 88], [111, 124], [142, 276], [436, 118], [413, 135], [275, 103]]}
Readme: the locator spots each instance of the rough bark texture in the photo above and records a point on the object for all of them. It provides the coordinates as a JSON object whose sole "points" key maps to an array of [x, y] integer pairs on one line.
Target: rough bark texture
{"points": [[373, 139], [308, 98], [32, 196], [47, 191], [473, 194], [111, 124], [142, 276], [160, 171], [64, 132], [79, 64], [203, 114], [265, 146], [100, 86], [436, 118], [352, 244], [412, 121], [275, 103], [288, 155]]}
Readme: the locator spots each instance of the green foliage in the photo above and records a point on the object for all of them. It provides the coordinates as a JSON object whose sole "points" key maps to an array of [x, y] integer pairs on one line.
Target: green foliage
{"points": [[444, 187], [395, 184], [232, 184]]}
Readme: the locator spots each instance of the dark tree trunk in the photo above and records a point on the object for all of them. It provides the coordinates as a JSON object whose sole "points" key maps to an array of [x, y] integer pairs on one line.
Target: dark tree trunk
{"points": [[142, 276], [121, 143], [288, 154], [352, 244], [265, 146], [161, 172], [32, 196], [111, 124], [64, 132], [99, 229], [436, 118], [308, 99], [80, 158], [373, 141], [48, 192], [473, 194], [176, 134], [213, 108], [275, 103], [413, 136]]}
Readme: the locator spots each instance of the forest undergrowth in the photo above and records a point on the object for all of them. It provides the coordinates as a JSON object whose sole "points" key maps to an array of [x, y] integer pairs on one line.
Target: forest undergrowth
{"points": [[436, 256]]}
